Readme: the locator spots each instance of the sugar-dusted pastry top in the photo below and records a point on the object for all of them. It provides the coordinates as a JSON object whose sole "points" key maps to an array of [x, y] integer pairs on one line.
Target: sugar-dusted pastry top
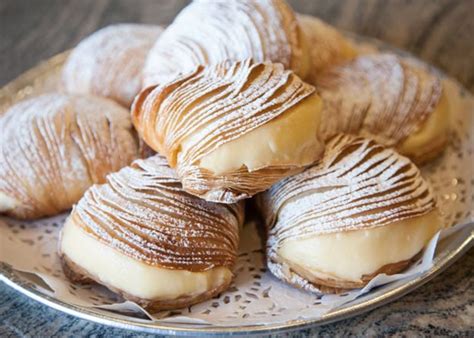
{"points": [[54, 146], [143, 213], [357, 185], [380, 96], [212, 31], [327, 46], [200, 113], [110, 62]]}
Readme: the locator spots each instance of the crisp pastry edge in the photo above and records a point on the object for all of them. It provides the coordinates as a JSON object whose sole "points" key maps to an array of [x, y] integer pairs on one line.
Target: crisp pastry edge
{"points": [[320, 286], [77, 274]]}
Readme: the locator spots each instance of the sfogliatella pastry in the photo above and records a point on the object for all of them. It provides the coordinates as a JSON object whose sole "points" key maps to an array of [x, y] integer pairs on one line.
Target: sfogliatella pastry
{"points": [[362, 210], [110, 62], [384, 97], [208, 32], [143, 237], [54, 146], [233, 129], [327, 46]]}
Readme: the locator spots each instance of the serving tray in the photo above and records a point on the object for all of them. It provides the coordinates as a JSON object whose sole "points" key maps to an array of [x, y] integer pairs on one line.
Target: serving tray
{"points": [[256, 301]]}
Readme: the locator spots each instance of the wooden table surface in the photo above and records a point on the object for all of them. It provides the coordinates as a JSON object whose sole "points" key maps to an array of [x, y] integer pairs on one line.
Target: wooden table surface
{"points": [[440, 32]]}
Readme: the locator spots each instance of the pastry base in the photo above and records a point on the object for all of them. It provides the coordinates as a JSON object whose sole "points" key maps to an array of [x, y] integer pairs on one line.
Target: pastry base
{"points": [[77, 274], [244, 167], [323, 286]]}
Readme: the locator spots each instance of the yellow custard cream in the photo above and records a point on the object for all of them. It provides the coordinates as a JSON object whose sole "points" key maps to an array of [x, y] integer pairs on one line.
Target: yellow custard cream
{"points": [[290, 139], [435, 128], [352, 254], [138, 279]]}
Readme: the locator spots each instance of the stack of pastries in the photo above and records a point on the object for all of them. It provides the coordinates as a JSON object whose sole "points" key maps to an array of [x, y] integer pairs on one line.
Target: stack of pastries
{"points": [[240, 100]]}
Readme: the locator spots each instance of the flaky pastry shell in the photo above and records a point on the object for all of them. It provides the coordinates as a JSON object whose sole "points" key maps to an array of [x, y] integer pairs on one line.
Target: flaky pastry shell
{"points": [[55, 146], [357, 185], [208, 32], [387, 98], [193, 116], [143, 213], [110, 62]]}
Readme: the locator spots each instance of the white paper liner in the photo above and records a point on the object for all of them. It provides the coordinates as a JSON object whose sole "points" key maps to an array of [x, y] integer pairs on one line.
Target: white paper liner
{"points": [[255, 297]]}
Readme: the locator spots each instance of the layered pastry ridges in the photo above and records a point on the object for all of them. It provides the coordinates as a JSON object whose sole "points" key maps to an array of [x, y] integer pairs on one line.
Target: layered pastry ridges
{"points": [[144, 213], [54, 146], [189, 118], [212, 31], [357, 185], [380, 96]]}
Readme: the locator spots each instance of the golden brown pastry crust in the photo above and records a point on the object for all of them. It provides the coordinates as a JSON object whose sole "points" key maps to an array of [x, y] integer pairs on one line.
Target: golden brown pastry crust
{"points": [[220, 104], [431, 151], [54, 146], [208, 32]]}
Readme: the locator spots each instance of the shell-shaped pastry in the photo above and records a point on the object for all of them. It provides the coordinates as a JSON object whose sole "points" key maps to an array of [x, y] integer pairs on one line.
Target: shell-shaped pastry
{"points": [[110, 62], [327, 46], [54, 146], [233, 129], [386, 98], [361, 210], [212, 31], [176, 248]]}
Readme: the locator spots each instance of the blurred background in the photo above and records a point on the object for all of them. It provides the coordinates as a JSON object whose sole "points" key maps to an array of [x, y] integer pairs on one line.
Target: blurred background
{"points": [[439, 31]]}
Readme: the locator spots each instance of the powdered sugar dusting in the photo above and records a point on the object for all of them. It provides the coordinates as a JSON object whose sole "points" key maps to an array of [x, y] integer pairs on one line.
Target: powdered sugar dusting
{"points": [[143, 212], [379, 96], [211, 31], [110, 62], [54, 146], [255, 297]]}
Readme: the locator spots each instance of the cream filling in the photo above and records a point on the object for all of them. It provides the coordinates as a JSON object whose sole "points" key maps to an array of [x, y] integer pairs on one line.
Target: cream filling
{"points": [[7, 203], [138, 279], [435, 128], [350, 255], [290, 139]]}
